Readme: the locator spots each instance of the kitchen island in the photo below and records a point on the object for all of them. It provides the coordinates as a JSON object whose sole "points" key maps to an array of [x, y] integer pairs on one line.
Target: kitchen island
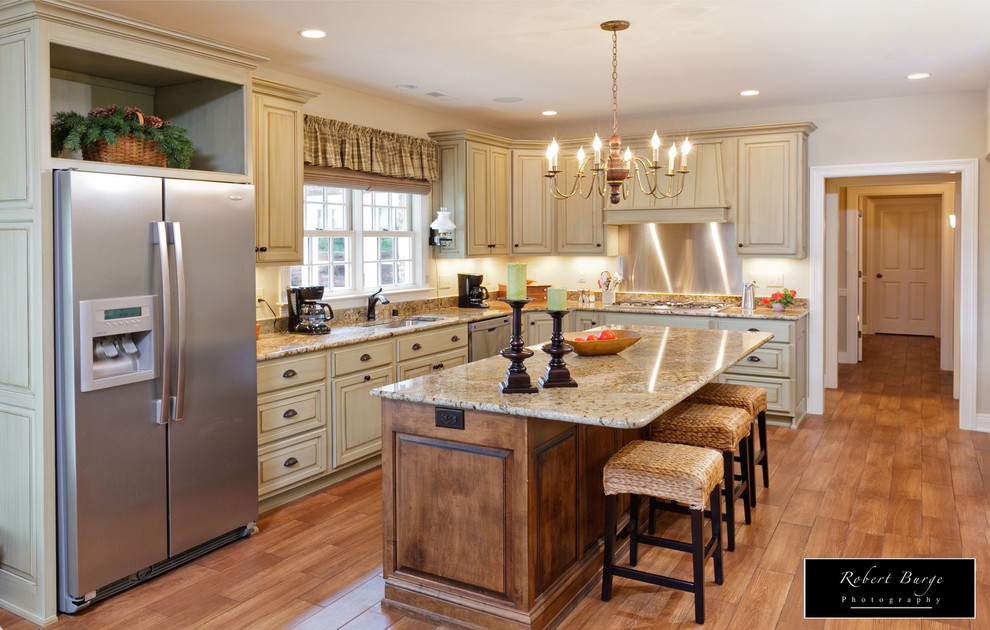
{"points": [[493, 504]]}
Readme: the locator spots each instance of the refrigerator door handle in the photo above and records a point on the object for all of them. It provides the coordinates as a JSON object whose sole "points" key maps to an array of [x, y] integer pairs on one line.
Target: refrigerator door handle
{"points": [[160, 238], [175, 229]]}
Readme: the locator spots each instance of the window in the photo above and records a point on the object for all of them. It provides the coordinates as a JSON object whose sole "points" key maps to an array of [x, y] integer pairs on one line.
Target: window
{"points": [[355, 240]]}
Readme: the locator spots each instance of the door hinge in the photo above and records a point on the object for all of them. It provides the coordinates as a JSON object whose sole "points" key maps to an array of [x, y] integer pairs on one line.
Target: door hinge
{"points": [[860, 274], [860, 213], [859, 333]]}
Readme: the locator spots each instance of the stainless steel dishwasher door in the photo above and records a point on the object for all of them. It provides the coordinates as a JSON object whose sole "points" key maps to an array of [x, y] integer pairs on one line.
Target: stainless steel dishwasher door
{"points": [[487, 337]]}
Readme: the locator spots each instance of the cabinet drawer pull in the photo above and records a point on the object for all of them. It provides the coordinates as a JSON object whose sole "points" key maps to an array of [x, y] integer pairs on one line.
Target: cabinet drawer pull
{"points": [[754, 359], [455, 338], [438, 366], [289, 463], [290, 413], [416, 346], [366, 357], [753, 330], [289, 373], [367, 377]]}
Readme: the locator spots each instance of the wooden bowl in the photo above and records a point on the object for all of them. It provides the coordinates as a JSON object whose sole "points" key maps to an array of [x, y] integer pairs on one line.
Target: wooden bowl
{"points": [[623, 339]]}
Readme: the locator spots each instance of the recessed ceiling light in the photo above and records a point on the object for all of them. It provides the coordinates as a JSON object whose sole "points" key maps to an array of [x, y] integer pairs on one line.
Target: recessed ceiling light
{"points": [[918, 75], [440, 96], [405, 86], [313, 33], [507, 99], [549, 112], [749, 93]]}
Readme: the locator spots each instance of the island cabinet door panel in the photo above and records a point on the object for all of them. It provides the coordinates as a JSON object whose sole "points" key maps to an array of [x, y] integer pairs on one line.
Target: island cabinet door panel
{"points": [[597, 444], [555, 503], [452, 503]]}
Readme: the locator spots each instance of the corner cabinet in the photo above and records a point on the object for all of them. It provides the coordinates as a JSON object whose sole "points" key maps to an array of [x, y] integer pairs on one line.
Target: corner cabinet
{"points": [[772, 174], [278, 168], [474, 186]]}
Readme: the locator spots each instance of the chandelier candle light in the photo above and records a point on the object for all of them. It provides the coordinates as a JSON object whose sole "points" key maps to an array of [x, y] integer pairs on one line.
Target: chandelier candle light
{"points": [[610, 178]]}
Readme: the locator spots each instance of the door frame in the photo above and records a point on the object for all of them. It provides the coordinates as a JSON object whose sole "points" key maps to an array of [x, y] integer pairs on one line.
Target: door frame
{"points": [[822, 309]]}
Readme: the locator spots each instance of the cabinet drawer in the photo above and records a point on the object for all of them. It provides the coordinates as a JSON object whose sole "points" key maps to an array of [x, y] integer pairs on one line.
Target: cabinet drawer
{"points": [[281, 373], [767, 360], [362, 357], [434, 342], [779, 397], [291, 461], [292, 411], [782, 331]]}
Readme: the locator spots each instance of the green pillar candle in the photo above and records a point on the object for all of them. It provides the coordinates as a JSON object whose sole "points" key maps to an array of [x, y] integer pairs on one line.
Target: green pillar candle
{"points": [[515, 285], [556, 299]]}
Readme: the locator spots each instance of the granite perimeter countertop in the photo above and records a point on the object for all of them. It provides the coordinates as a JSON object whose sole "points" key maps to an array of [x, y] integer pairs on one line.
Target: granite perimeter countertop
{"points": [[277, 345], [627, 390]]}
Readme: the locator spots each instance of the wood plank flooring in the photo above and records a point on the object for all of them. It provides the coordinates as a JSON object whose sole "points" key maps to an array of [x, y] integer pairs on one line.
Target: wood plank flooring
{"points": [[884, 472]]}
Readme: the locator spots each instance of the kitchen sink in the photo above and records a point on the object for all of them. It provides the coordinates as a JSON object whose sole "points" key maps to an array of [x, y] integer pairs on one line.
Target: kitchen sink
{"points": [[407, 322]]}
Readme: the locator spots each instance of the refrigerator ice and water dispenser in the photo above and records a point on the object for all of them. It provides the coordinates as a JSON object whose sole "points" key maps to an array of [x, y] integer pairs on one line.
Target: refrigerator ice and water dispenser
{"points": [[116, 341]]}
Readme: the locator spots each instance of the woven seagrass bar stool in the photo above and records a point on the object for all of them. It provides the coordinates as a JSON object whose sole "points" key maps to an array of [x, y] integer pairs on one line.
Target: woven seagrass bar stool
{"points": [[688, 475], [754, 400], [725, 429]]}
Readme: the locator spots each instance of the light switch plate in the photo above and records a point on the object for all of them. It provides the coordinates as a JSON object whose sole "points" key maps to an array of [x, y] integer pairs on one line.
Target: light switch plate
{"points": [[581, 278], [259, 294], [445, 281], [775, 279]]}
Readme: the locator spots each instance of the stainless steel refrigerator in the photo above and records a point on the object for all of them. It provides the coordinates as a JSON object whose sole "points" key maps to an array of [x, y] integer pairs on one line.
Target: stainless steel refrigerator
{"points": [[155, 376]]}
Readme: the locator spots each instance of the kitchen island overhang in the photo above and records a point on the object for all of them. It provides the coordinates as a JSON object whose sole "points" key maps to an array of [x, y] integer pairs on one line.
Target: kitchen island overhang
{"points": [[495, 520]]}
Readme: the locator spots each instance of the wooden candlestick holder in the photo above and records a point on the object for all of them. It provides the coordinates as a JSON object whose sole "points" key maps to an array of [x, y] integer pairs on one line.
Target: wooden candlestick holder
{"points": [[557, 374], [516, 379]]}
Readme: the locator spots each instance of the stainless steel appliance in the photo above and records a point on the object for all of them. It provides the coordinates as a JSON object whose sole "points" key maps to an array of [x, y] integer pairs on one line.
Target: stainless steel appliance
{"points": [[470, 293], [156, 377], [307, 314], [486, 338], [686, 258], [673, 305]]}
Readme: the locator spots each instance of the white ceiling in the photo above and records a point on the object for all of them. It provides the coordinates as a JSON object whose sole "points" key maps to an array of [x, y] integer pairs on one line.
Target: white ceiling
{"points": [[679, 56]]}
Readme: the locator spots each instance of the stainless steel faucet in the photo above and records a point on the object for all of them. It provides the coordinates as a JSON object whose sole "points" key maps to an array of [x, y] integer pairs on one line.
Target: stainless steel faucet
{"points": [[374, 299]]}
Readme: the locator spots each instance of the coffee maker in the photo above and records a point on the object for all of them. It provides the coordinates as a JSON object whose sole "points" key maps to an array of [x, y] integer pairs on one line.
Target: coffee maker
{"points": [[470, 293], [307, 314]]}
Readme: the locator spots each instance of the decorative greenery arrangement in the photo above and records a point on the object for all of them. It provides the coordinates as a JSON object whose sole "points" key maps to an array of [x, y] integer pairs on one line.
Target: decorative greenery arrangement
{"points": [[784, 297], [73, 131]]}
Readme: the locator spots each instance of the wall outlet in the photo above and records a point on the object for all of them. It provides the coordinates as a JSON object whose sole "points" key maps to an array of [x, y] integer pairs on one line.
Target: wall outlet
{"points": [[775, 279], [259, 294], [581, 278], [445, 280]]}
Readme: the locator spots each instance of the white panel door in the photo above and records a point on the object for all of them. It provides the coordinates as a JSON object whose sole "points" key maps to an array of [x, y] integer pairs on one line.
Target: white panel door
{"points": [[903, 265]]}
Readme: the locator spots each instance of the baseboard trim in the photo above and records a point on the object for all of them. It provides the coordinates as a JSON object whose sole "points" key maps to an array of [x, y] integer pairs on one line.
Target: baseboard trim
{"points": [[982, 423]]}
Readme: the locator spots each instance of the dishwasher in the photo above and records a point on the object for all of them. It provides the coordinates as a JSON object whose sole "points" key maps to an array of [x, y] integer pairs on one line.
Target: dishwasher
{"points": [[486, 338]]}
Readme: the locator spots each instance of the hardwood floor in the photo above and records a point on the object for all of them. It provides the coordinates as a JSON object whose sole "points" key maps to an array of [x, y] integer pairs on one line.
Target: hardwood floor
{"points": [[884, 472]]}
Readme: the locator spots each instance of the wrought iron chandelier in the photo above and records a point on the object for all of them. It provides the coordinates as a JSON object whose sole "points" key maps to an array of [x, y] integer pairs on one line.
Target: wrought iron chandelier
{"points": [[610, 178]]}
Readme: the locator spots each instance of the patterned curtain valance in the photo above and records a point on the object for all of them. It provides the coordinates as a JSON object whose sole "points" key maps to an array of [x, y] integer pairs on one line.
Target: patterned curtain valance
{"points": [[343, 145]]}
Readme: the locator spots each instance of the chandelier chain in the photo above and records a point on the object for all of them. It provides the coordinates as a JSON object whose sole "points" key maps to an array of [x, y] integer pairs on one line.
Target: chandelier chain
{"points": [[615, 84]]}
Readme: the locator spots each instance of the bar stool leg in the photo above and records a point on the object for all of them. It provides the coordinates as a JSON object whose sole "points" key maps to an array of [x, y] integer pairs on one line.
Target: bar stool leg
{"points": [[652, 517], [762, 425], [715, 502], [609, 547], [730, 512], [752, 466], [633, 528], [746, 467], [698, 555]]}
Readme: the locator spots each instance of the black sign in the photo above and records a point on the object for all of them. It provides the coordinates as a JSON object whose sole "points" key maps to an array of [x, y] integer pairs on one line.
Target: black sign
{"points": [[884, 588]]}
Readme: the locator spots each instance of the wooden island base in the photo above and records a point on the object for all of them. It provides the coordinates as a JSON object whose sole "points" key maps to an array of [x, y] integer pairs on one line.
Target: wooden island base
{"points": [[495, 525]]}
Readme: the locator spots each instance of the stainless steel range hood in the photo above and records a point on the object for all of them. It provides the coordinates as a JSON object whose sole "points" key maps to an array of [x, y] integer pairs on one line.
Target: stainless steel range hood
{"points": [[685, 258]]}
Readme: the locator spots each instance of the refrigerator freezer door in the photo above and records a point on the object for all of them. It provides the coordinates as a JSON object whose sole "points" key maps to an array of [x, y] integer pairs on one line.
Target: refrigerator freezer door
{"points": [[111, 465], [213, 449]]}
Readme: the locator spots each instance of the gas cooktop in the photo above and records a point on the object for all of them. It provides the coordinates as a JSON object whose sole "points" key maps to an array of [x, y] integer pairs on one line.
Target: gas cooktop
{"points": [[674, 305]]}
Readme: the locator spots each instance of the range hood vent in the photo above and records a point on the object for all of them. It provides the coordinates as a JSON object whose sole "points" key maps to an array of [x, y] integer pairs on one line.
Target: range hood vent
{"points": [[703, 199]]}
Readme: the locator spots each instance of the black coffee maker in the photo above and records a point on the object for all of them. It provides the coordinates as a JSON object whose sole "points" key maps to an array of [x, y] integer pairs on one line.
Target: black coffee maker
{"points": [[470, 293], [307, 314]]}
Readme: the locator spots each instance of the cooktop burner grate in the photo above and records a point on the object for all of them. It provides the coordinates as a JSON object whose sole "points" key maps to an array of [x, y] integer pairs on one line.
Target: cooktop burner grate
{"points": [[674, 305]]}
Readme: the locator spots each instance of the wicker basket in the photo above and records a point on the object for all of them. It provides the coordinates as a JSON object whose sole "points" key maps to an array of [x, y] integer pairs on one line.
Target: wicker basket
{"points": [[126, 150]]}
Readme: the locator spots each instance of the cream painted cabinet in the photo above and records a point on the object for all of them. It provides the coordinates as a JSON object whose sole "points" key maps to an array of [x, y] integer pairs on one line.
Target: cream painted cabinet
{"points": [[475, 188], [580, 221], [278, 155], [538, 326], [770, 218], [532, 204], [357, 415], [428, 365]]}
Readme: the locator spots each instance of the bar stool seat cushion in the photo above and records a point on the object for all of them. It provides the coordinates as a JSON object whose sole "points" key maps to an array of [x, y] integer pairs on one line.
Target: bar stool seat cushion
{"points": [[712, 426], [749, 397], [670, 472]]}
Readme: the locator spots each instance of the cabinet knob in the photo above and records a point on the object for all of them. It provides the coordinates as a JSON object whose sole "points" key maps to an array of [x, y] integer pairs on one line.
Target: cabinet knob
{"points": [[753, 330], [532, 323], [367, 377], [753, 359], [289, 463], [879, 275], [594, 323], [289, 373], [366, 357], [515, 244], [289, 413], [598, 244], [455, 338], [416, 346], [740, 245], [261, 249]]}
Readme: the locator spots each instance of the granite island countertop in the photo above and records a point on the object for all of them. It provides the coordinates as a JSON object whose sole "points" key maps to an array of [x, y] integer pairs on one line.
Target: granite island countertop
{"points": [[627, 390], [277, 345]]}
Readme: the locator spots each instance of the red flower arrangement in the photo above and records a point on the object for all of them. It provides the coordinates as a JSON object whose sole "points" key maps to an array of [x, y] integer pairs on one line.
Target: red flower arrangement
{"points": [[785, 298]]}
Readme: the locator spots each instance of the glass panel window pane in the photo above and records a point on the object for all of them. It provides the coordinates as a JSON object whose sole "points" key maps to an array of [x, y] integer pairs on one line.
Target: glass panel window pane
{"points": [[366, 221], [338, 218], [402, 220], [313, 193], [323, 250], [323, 275], [381, 219], [370, 248], [388, 273], [405, 248], [336, 195], [367, 198], [371, 275], [295, 276], [340, 279], [341, 251], [402, 275], [381, 199], [387, 249]]}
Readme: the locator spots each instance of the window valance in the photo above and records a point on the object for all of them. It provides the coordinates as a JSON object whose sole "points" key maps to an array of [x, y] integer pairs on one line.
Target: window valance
{"points": [[338, 144]]}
